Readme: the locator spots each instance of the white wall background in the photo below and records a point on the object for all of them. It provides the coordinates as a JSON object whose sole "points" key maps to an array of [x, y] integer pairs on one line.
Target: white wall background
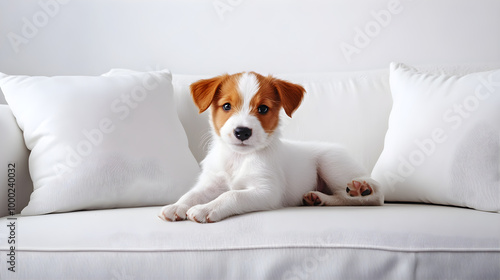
{"points": [[88, 37]]}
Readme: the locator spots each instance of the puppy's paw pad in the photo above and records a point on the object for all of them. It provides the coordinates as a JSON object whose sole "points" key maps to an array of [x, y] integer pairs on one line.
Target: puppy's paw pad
{"points": [[312, 199], [173, 212], [357, 188]]}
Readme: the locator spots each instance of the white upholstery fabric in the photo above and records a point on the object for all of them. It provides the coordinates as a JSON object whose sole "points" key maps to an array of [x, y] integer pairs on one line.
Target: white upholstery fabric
{"points": [[395, 241]]}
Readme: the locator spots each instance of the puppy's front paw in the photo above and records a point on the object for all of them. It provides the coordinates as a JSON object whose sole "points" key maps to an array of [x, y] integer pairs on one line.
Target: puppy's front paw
{"points": [[202, 214], [312, 199], [359, 188], [173, 212]]}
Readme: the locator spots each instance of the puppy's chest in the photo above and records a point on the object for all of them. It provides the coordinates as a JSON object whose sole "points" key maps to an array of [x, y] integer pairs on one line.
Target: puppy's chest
{"points": [[238, 172], [236, 167]]}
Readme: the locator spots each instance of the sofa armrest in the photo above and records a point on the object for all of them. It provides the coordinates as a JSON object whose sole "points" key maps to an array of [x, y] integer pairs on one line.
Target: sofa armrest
{"points": [[15, 182]]}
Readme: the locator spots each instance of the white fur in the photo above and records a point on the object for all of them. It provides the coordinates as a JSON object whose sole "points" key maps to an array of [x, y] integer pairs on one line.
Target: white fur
{"points": [[248, 87], [266, 172]]}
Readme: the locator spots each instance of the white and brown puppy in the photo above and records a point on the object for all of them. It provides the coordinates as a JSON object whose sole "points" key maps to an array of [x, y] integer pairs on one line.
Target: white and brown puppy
{"points": [[249, 168]]}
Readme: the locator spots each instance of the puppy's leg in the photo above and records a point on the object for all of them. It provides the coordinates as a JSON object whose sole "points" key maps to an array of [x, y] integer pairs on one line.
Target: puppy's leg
{"points": [[346, 180], [234, 202], [206, 189]]}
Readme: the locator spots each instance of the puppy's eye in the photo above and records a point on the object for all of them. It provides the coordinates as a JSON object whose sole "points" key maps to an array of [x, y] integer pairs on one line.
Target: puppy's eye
{"points": [[226, 107], [263, 109]]}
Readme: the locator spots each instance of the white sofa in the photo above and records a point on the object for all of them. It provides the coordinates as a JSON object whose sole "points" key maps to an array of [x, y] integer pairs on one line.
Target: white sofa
{"points": [[340, 51]]}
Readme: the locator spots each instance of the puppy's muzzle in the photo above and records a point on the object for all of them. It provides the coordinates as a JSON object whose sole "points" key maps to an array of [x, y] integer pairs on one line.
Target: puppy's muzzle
{"points": [[242, 133]]}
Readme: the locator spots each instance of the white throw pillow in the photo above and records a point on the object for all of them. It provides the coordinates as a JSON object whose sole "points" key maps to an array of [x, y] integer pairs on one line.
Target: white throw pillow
{"points": [[443, 141], [101, 142]]}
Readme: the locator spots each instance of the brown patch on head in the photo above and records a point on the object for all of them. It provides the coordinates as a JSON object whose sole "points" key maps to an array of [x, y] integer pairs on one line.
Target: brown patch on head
{"points": [[203, 91], [217, 92], [266, 96], [228, 94], [275, 93]]}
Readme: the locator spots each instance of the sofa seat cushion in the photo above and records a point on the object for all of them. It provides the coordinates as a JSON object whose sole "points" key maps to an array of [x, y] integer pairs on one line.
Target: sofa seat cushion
{"points": [[397, 240]]}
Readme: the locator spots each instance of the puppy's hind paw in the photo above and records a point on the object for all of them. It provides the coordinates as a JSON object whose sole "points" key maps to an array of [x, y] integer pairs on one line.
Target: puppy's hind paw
{"points": [[357, 188], [312, 199]]}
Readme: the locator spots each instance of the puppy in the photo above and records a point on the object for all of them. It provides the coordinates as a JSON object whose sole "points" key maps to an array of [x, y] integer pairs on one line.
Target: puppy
{"points": [[249, 168]]}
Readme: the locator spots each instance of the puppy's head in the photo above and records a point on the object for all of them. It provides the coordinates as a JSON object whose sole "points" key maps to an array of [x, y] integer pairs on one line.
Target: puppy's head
{"points": [[245, 107]]}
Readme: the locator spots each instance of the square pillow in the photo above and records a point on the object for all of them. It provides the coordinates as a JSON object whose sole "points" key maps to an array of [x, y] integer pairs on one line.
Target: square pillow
{"points": [[101, 142], [443, 141]]}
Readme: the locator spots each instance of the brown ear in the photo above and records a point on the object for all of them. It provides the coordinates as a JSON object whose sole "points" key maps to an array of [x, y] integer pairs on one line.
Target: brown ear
{"points": [[203, 91], [290, 94]]}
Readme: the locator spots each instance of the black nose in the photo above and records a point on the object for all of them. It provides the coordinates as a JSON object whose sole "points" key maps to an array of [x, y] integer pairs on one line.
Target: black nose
{"points": [[242, 133]]}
